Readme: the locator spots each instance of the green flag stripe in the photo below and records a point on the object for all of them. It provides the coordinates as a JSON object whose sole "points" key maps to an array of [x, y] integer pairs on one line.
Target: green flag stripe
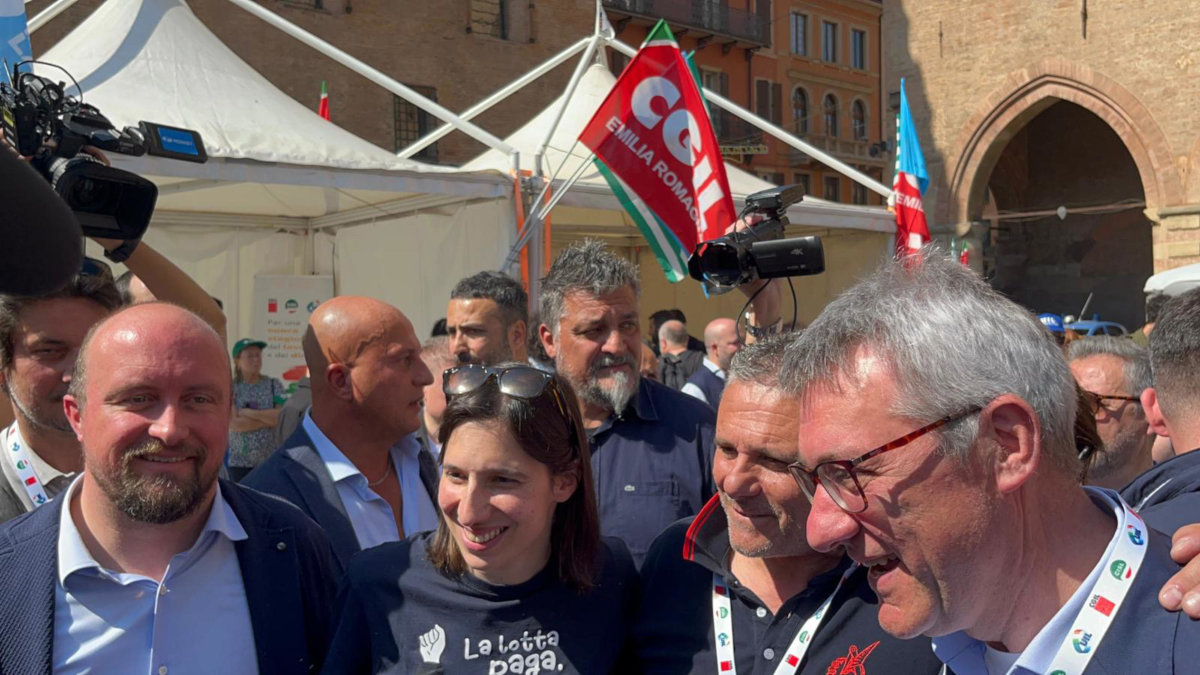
{"points": [[660, 33], [666, 247]]}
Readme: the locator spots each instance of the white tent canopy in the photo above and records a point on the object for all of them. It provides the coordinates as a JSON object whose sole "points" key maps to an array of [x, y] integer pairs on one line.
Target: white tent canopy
{"points": [[269, 155], [281, 185], [563, 157], [1175, 281]]}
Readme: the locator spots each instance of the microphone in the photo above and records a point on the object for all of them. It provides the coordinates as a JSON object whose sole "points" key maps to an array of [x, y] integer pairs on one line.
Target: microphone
{"points": [[41, 244]]}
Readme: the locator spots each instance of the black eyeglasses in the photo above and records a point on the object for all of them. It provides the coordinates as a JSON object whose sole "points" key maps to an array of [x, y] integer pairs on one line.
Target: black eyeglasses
{"points": [[1096, 401], [524, 382], [837, 476]]}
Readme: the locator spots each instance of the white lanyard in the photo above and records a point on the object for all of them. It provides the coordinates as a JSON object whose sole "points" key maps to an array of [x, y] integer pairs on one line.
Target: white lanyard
{"points": [[1096, 616], [723, 629], [16, 453]]}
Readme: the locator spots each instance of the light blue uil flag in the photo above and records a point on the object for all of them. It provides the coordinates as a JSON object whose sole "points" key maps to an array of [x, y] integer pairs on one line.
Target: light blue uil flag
{"points": [[14, 35]]}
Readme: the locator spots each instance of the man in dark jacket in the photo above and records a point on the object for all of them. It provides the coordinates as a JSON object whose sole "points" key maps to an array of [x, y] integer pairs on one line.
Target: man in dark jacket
{"points": [[146, 561]]}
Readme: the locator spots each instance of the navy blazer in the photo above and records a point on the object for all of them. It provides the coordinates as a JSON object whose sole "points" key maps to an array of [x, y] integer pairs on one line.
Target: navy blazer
{"points": [[296, 473], [287, 571]]}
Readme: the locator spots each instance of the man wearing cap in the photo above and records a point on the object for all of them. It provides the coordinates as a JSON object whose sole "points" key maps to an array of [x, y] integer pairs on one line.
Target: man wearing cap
{"points": [[257, 399], [354, 464]]}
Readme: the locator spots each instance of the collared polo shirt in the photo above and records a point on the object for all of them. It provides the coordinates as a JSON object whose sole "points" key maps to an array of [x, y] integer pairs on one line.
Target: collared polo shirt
{"points": [[652, 464], [195, 620], [673, 632], [967, 656], [1167, 495], [371, 515]]}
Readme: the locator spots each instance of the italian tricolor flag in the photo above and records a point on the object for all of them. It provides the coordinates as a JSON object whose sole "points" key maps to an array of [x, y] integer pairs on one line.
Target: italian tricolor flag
{"points": [[323, 108]]}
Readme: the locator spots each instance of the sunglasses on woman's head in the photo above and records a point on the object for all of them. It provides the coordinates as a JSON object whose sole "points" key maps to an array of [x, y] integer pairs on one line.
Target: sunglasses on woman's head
{"points": [[524, 382]]}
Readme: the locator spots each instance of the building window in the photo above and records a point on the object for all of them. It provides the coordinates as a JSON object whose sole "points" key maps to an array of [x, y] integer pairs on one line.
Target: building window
{"points": [[805, 180], [833, 189], [829, 46], [800, 110], [411, 123], [490, 17], [772, 178], [858, 49], [858, 193], [617, 62], [858, 120], [767, 103], [799, 34], [717, 81], [831, 116]]}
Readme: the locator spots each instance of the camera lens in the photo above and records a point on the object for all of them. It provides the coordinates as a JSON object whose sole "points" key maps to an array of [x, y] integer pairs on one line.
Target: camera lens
{"points": [[93, 196]]}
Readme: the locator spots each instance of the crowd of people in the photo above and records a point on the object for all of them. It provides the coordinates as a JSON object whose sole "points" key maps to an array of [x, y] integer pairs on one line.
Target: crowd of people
{"points": [[878, 492]]}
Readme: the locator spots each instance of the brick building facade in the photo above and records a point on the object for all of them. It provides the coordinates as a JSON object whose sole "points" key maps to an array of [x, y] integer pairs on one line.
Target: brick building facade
{"points": [[1024, 108], [454, 51], [810, 66]]}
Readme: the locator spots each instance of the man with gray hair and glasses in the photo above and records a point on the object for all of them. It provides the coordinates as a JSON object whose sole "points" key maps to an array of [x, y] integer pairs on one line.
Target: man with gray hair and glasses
{"points": [[651, 446], [944, 461], [1113, 372], [1168, 495]]}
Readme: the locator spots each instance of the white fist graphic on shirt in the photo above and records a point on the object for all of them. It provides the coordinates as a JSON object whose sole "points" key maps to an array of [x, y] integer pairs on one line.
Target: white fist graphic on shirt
{"points": [[432, 644]]}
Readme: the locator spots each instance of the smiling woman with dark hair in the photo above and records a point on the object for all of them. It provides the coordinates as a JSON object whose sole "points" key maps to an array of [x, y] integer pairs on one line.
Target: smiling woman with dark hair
{"points": [[516, 578]]}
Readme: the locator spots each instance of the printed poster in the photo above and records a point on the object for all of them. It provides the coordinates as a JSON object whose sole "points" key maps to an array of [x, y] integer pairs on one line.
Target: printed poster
{"points": [[282, 306]]}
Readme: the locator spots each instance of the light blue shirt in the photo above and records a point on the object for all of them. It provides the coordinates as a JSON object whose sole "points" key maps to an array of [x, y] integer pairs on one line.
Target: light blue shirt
{"points": [[371, 515], [967, 656], [196, 620]]}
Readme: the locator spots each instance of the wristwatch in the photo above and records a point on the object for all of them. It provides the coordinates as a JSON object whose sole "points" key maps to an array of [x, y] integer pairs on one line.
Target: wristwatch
{"points": [[122, 252], [761, 332]]}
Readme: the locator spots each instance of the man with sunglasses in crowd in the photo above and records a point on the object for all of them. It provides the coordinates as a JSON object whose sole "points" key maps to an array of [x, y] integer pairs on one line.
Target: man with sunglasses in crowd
{"points": [[354, 464], [39, 339], [1168, 495], [945, 463], [1113, 372], [737, 588]]}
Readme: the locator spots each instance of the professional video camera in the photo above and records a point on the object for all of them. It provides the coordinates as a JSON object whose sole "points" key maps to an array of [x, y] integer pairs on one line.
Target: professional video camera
{"points": [[760, 251], [48, 126]]}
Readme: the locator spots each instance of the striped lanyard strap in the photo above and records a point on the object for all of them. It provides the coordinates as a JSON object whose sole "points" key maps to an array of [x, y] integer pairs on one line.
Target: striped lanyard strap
{"points": [[16, 453], [723, 628]]}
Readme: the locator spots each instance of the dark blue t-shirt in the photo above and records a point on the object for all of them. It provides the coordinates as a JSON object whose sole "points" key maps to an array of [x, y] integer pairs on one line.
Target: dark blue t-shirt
{"points": [[397, 614], [673, 633], [652, 464]]}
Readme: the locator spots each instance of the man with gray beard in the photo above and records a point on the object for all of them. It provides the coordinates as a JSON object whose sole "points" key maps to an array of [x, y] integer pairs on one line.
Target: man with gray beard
{"points": [[651, 446], [146, 562]]}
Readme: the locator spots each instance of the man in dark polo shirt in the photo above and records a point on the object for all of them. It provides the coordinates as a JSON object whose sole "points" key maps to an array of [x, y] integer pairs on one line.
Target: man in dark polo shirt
{"points": [[651, 446], [1168, 494], [745, 552]]}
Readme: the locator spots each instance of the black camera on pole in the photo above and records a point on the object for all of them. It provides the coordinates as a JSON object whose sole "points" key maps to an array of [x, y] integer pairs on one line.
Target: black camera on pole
{"points": [[51, 128], [760, 251]]}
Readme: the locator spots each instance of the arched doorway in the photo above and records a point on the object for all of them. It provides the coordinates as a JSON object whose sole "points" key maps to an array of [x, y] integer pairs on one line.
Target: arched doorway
{"points": [[1068, 201]]}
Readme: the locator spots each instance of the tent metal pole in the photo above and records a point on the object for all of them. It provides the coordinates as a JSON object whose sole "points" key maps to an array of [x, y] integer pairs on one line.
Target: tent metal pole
{"points": [[501, 94], [572, 85], [535, 220], [472, 130], [50, 12], [778, 132]]}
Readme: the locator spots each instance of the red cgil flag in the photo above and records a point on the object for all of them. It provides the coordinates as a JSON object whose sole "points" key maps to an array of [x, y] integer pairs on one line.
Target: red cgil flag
{"points": [[653, 133]]}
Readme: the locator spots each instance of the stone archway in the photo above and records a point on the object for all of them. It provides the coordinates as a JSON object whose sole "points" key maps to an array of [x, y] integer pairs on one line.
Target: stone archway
{"points": [[1061, 135], [1030, 91]]}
